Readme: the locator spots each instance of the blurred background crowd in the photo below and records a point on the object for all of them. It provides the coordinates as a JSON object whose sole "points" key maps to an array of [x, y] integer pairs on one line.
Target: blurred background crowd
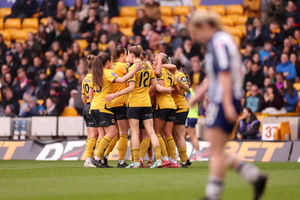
{"points": [[42, 75]]}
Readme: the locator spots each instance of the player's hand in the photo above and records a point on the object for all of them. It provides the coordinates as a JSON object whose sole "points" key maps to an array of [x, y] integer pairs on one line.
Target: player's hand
{"points": [[139, 66], [160, 56], [230, 113], [192, 102], [110, 97]]}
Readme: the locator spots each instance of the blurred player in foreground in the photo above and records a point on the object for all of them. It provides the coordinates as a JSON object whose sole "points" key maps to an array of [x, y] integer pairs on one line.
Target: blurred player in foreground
{"points": [[223, 85]]}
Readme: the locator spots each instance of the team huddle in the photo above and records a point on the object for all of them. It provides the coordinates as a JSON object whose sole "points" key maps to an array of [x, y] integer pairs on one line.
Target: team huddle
{"points": [[124, 90]]}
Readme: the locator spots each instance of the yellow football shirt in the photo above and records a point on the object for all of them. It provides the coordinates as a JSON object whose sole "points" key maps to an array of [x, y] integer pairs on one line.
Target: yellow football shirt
{"points": [[140, 97], [100, 93], [179, 98], [165, 101], [86, 85], [120, 69]]}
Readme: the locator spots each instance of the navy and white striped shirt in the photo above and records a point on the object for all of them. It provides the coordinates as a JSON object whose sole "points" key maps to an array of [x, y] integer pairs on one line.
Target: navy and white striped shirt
{"points": [[223, 55]]}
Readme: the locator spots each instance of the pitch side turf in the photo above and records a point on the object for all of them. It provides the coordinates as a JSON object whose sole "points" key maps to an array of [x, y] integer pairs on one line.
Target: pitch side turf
{"points": [[69, 180]]}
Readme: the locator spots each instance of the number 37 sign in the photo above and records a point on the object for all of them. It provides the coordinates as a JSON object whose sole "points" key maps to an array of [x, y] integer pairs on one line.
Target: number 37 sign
{"points": [[268, 131]]}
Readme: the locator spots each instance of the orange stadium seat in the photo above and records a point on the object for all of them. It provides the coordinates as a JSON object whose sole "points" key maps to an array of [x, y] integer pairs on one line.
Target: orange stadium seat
{"points": [[168, 20], [69, 112], [297, 86], [12, 23], [6, 35], [240, 19], [82, 44], [233, 31], [165, 11], [202, 8], [127, 31], [227, 20], [19, 35], [243, 29], [30, 23], [44, 21], [219, 9], [4, 12], [129, 21], [235, 10], [1, 24], [284, 132], [181, 10], [127, 11], [121, 21]]}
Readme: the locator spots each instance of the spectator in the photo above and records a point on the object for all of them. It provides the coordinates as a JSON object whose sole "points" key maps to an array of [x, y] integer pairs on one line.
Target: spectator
{"points": [[106, 24], [252, 8], [264, 53], [273, 58], [23, 9], [272, 74], [279, 83], [10, 102], [112, 7], [255, 76], [80, 10], [249, 50], [248, 126], [97, 33], [50, 107], [290, 97], [159, 27], [286, 67], [254, 100], [291, 11], [41, 36], [152, 10], [275, 34], [8, 80], [176, 40], [72, 24], [115, 33], [3, 46], [267, 82], [177, 24], [103, 43], [273, 101], [275, 11], [296, 63], [43, 84], [61, 11], [60, 34], [33, 108], [73, 95], [258, 33], [37, 66], [71, 82], [67, 63], [25, 104], [88, 23], [48, 8], [33, 45], [20, 82]]}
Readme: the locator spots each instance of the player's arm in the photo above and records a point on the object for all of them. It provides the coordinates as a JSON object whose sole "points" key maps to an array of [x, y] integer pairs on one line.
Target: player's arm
{"points": [[129, 75], [127, 90], [170, 67], [183, 85], [199, 94], [161, 89], [91, 94], [157, 71], [83, 98], [226, 83], [152, 86]]}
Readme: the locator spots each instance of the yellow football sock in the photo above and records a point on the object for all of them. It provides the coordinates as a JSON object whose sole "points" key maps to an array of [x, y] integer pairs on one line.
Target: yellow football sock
{"points": [[98, 143], [102, 146], [157, 152], [111, 145], [144, 146], [167, 146], [122, 146], [182, 154], [172, 147], [136, 153], [89, 147], [162, 145], [149, 152]]}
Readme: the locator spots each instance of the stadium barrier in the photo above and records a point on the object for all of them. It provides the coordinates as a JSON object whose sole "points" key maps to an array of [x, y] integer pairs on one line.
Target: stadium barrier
{"points": [[75, 150]]}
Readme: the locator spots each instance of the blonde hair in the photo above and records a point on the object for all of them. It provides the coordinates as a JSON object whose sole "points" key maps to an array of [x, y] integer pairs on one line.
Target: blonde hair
{"points": [[137, 51], [210, 18]]}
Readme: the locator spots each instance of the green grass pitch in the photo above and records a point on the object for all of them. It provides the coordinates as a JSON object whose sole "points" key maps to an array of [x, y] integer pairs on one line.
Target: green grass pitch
{"points": [[69, 180]]}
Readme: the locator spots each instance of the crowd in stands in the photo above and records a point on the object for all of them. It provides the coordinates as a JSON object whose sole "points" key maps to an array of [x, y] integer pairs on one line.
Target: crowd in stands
{"points": [[50, 64]]}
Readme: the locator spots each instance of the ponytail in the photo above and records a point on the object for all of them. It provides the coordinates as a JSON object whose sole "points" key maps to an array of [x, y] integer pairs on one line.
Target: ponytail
{"points": [[90, 58], [137, 51], [119, 50], [97, 71]]}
